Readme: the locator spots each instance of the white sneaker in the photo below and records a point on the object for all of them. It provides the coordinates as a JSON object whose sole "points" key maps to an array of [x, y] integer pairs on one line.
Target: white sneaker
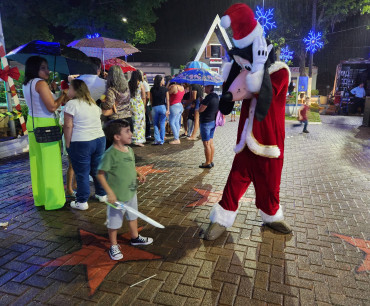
{"points": [[115, 252], [80, 206], [102, 199], [140, 240]]}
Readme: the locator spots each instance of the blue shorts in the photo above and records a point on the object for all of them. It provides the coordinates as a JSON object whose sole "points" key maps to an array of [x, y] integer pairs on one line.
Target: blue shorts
{"points": [[207, 129]]}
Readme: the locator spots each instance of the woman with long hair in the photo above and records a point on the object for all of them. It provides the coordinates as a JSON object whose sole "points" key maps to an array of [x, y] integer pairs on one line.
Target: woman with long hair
{"points": [[45, 158], [160, 100], [85, 141], [137, 93], [117, 101], [176, 93]]}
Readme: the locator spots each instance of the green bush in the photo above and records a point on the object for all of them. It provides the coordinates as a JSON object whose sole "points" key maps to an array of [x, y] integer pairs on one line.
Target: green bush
{"points": [[314, 92], [314, 107], [24, 108], [291, 98]]}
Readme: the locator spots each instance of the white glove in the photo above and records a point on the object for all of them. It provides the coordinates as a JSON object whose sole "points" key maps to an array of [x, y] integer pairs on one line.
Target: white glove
{"points": [[260, 53]]}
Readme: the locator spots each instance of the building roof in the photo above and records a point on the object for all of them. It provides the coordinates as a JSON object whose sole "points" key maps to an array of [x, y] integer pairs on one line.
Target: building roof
{"points": [[221, 34]]}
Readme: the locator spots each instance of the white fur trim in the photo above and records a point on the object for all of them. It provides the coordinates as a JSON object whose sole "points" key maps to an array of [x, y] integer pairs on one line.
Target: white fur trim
{"points": [[278, 66], [254, 81], [242, 143], [252, 143], [225, 21], [222, 216], [226, 69], [248, 40], [260, 149], [277, 217], [247, 137]]}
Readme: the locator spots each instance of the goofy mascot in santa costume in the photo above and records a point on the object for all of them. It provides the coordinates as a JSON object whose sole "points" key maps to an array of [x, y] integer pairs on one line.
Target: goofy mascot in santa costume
{"points": [[254, 77]]}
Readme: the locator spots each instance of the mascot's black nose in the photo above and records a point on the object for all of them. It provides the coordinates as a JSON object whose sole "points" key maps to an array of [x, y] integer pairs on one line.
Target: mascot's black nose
{"points": [[227, 96]]}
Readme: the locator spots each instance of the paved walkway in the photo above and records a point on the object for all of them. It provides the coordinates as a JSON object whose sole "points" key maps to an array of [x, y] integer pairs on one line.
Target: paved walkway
{"points": [[59, 257]]}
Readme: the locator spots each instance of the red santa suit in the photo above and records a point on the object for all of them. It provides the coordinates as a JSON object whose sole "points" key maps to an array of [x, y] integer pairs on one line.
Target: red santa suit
{"points": [[259, 160], [260, 144]]}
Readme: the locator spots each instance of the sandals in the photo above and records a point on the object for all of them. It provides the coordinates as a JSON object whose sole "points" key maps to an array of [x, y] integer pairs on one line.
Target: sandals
{"points": [[73, 195], [209, 166]]}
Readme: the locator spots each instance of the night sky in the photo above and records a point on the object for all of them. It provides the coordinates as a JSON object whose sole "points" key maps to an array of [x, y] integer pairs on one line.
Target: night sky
{"points": [[182, 26]]}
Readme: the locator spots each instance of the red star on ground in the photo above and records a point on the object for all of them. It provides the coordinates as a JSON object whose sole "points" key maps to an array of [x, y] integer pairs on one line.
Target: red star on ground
{"points": [[210, 198], [94, 254], [145, 170], [363, 245]]}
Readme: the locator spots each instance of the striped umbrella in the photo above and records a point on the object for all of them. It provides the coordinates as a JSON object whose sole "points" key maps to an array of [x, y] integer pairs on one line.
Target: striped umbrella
{"points": [[104, 48], [118, 62]]}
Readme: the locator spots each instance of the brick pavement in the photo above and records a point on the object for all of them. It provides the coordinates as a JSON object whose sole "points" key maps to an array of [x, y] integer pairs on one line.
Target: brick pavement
{"points": [[56, 257]]}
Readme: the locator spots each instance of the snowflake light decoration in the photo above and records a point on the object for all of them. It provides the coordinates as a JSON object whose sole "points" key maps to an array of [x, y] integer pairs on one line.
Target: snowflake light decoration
{"points": [[96, 35], [286, 55], [313, 41], [265, 18]]}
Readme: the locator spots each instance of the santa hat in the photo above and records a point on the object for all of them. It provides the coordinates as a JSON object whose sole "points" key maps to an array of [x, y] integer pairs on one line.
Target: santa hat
{"points": [[245, 27]]}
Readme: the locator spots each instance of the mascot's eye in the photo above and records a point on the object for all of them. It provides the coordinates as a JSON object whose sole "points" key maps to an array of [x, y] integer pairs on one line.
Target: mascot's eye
{"points": [[248, 67]]}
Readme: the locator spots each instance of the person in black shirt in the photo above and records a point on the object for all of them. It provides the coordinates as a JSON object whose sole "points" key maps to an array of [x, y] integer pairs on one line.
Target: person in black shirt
{"points": [[190, 120], [186, 103], [196, 95], [208, 111], [160, 108]]}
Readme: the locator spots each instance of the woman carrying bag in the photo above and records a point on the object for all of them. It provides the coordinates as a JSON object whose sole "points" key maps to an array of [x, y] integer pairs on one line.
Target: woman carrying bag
{"points": [[45, 154]]}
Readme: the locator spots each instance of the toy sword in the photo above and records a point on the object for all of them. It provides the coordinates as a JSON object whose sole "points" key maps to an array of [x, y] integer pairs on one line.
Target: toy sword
{"points": [[122, 206]]}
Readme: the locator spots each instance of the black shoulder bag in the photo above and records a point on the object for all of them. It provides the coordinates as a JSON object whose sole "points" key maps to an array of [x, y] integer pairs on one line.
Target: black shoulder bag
{"points": [[46, 133]]}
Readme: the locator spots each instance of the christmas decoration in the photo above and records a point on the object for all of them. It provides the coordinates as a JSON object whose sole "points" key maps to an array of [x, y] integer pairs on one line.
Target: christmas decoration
{"points": [[286, 55], [8, 73], [265, 18], [95, 35], [313, 41]]}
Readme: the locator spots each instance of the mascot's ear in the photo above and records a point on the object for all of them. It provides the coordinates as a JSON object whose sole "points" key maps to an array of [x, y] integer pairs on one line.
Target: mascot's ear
{"points": [[226, 105], [234, 72], [264, 97]]}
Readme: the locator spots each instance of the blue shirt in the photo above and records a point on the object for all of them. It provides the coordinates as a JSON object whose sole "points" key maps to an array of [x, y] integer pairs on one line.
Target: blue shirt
{"points": [[359, 92]]}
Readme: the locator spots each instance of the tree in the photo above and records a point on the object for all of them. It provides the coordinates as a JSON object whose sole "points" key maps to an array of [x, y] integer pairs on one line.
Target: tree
{"points": [[64, 21], [300, 21]]}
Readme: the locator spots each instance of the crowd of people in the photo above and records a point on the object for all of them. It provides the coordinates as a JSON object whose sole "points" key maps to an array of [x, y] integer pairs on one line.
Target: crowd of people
{"points": [[101, 117]]}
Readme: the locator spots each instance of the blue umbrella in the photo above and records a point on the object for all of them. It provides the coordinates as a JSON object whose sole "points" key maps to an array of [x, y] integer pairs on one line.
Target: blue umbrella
{"points": [[199, 76], [196, 65], [60, 58]]}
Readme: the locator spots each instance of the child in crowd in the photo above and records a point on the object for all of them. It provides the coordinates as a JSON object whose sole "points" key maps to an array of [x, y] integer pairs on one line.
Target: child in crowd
{"points": [[71, 184], [302, 114], [118, 176], [190, 121], [233, 114]]}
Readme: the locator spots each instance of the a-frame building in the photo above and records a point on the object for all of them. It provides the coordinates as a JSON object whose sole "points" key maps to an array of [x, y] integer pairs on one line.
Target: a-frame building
{"points": [[213, 50]]}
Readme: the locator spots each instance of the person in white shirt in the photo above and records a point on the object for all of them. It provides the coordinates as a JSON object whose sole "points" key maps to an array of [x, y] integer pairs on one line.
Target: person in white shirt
{"points": [[95, 84], [359, 100], [85, 141]]}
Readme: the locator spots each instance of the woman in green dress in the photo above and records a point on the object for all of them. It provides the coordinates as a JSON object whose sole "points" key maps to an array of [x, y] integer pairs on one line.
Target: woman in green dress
{"points": [[137, 92], [45, 158]]}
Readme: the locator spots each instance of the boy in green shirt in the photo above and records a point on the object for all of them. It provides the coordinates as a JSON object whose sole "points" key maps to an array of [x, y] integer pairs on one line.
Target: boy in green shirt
{"points": [[118, 176]]}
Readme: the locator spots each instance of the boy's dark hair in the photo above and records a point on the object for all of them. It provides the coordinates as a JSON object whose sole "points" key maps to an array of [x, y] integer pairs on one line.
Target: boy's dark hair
{"points": [[33, 65], [114, 128]]}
